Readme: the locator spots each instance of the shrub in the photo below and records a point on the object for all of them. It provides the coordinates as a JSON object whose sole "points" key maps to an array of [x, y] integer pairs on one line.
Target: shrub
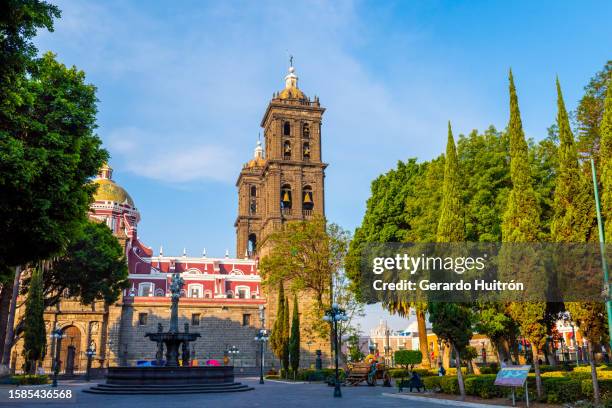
{"points": [[408, 358], [453, 371], [605, 387], [490, 369], [319, 375], [449, 384], [560, 389], [482, 386], [272, 377], [432, 383], [399, 373], [29, 379]]}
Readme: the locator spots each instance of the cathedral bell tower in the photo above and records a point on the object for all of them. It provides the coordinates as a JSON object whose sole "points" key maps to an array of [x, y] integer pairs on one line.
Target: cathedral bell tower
{"points": [[287, 181]]}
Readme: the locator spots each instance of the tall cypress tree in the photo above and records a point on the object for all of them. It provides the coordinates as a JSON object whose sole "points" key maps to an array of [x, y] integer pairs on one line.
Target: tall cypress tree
{"points": [[571, 224], [573, 216], [605, 155], [285, 338], [451, 227], [452, 322], [521, 224], [521, 219], [276, 337], [294, 341], [35, 336]]}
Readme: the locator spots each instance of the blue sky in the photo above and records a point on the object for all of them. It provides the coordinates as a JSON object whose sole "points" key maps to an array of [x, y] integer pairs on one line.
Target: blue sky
{"points": [[183, 86]]}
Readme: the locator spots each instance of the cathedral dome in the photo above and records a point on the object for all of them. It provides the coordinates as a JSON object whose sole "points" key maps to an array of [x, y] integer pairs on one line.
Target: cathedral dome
{"points": [[108, 190]]}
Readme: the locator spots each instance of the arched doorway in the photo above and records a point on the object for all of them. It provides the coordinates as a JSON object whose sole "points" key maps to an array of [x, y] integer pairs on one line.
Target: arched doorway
{"points": [[70, 350]]}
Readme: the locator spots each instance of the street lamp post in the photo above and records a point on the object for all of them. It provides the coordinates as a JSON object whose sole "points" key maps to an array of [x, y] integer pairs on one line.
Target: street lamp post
{"points": [[233, 351], [90, 353], [335, 315], [57, 335], [262, 337]]}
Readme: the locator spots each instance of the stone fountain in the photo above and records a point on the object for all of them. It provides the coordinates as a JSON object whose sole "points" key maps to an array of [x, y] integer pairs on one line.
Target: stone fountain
{"points": [[173, 339], [171, 377]]}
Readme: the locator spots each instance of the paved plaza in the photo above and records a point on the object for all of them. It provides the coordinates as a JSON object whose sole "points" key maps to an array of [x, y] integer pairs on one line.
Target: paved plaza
{"points": [[269, 395]]}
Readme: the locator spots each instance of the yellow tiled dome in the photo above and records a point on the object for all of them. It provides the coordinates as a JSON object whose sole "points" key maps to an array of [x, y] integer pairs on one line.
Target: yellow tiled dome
{"points": [[108, 190], [291, 93]]}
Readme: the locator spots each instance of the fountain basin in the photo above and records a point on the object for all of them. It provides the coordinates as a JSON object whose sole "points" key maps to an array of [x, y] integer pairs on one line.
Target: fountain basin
{"points": [[170, 375]]}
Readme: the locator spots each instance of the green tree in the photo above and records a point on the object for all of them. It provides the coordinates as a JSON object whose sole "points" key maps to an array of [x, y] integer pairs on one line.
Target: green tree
{"points": [[573, 217], [493, 321], [294, 340], [452, 322], [521, 219], [48, 154], [93, 268], [286, 330], [276, 337], [591, 318], [407, 359], [34, 338], [521, 225], [306, 255], [354, 351], [605, 132], [589, 113], [451, 229]]}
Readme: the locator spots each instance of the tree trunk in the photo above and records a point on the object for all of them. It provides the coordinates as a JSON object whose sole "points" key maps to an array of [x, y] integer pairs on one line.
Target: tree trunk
{"points": [[5, 302], [423, 344], [594, 374], [10, 333], [536, 366], [459, 374], [503, 350]]}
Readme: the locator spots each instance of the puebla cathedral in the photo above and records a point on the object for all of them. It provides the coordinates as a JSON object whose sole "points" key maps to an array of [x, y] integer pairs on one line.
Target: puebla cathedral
{"points": [[223, 298]]}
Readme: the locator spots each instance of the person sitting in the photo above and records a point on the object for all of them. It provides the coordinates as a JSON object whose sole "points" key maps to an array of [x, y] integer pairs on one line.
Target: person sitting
{"points": [[441, 370]]}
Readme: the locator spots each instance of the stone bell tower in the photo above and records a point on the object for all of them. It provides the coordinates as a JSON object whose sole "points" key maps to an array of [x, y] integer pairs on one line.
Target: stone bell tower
{"points": [[284, 182], [287, 181]]}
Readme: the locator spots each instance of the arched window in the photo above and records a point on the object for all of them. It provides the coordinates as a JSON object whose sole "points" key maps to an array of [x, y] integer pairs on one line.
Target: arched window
{"points": [[253, 200], [287, 150], [305, 131], [230, 294], [306, 151], [307, 198], [159, 292], [286, 196], [252, 244], [286, 129]]}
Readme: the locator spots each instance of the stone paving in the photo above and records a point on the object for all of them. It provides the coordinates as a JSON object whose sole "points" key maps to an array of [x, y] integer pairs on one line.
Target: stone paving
{"points": [[269, 395]]}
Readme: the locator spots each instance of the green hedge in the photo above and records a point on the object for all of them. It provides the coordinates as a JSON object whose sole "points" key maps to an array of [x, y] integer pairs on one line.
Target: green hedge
{"points": [[29, 379], [560, 389], [401, 373], [432, 383], [319, 375], [449, 384], [482, 386], [605, 387]]}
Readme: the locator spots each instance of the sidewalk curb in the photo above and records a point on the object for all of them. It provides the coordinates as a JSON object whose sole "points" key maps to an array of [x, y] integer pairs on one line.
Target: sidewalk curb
{"points": [[442, 401], [287, 382]]}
